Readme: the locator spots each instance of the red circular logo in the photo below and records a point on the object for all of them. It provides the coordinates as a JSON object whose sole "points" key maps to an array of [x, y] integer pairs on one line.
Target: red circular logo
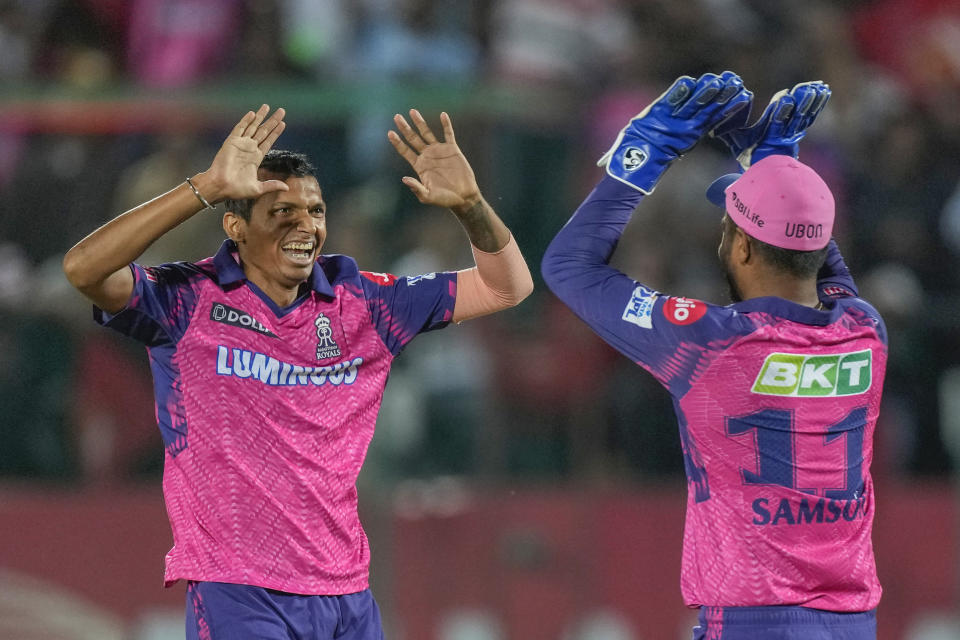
{"points": [[683, 310]]}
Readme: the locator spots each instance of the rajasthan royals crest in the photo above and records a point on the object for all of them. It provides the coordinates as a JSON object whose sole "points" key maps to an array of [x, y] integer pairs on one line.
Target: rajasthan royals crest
{"points": [[326, 346]]}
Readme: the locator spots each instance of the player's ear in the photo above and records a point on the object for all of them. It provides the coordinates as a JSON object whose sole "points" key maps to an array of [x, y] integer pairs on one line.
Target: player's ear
{"points": [[742, 247], [234, 226]]}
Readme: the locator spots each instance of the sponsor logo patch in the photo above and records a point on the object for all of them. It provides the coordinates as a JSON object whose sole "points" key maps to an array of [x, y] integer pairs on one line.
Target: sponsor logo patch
{"points": [[744, 209], [386, 279], [326, 345], [834, 291], [639, 309], [633, 159], [412, 280], [800, 230], [241, 363], [226, 314], [683, 310], [809, 375]]}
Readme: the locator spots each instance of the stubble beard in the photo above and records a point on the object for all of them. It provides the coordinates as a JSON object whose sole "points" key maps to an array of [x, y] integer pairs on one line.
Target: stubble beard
{"points": [[732, 290]]}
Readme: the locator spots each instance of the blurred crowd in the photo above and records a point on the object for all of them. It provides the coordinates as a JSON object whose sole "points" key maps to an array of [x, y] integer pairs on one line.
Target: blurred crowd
{"points": [[529, 394]]}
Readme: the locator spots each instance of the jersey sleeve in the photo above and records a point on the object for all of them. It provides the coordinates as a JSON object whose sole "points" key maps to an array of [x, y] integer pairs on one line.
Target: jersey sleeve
{"points": [[402, 307], [865, 314], [666, 335], [159, 308], [834, 281], [834, 278]]}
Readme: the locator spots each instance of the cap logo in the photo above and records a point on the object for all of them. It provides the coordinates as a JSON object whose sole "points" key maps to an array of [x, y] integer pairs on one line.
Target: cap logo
{"points": [[799, 230], [744, 209]]}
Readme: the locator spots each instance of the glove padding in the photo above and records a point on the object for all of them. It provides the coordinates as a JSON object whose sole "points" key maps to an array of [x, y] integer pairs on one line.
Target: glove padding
{"points": [[780, 129], [671, 125]]}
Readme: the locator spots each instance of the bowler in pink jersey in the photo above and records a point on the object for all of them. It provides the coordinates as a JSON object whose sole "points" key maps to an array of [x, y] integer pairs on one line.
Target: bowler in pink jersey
{"points": [[777, 394], [269, 363]]}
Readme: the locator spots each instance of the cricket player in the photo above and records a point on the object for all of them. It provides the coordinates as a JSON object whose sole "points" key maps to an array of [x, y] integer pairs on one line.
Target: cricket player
{"points": [[777, 394], [269, 362]]}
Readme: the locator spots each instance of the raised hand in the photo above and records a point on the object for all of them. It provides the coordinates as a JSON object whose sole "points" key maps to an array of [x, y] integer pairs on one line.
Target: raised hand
{"points": [[97, 265], [780, 128], [671, 125], [233, 173], [445, 177]]}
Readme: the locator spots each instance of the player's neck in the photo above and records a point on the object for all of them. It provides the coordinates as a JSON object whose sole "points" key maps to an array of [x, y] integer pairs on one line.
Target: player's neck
{"points": [[802, 291], [282, 294]]}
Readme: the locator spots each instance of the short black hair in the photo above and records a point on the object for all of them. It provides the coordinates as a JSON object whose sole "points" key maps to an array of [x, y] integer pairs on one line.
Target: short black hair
{"points": [[286, 164], [799, 264]]}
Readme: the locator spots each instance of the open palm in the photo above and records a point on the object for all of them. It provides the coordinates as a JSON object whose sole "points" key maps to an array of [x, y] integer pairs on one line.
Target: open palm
{"points": [[445, 177], [234, 168]]}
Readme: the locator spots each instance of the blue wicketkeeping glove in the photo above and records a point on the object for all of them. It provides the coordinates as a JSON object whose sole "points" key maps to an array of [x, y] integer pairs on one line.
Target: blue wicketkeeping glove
{"points": [[781, 127], [671, 125]]}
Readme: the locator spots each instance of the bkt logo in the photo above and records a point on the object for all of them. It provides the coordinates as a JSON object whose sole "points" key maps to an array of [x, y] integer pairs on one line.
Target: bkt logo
{"points": [[220, 312], [797, 374]]}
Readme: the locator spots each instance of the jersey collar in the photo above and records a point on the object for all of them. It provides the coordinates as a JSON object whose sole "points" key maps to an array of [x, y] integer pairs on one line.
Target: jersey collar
{"points": [[788, 310], [229, 270]]}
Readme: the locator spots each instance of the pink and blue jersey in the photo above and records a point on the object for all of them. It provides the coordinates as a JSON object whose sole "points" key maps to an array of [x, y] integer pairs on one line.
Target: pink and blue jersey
{"points": [[266, 413], [776, 405]]}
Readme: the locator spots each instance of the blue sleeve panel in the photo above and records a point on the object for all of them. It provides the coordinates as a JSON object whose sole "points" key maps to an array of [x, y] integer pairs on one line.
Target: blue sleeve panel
{"points": [[834, 278], [669, 336], [160, 306], [157, 314], [402, 307]]}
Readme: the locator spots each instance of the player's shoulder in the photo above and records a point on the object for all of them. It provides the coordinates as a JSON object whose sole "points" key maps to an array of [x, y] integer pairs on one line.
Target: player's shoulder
{"points": [[180, 273], [862, 312], [683, 316], [339, 268], [855, 302]]}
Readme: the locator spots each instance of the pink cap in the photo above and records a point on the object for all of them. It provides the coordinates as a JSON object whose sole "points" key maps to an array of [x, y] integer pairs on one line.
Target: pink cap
{"points": [[780, 201]]}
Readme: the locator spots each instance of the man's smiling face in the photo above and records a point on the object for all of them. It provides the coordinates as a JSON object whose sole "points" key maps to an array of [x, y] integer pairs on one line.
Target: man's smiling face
{"points": [[281, 241]]}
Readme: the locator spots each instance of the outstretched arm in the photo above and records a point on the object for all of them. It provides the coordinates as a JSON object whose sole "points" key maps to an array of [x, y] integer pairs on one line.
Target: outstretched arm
{"points": [[98, 264], [501, 278], [634, 319], [575, 264]]}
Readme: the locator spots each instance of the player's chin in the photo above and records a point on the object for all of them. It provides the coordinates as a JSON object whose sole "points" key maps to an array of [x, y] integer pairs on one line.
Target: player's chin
{"points": [[293, 273], [300, 273]]}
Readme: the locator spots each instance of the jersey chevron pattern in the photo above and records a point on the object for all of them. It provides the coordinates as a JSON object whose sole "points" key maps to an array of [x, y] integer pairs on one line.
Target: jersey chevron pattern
{"points": [[776, 405], [266, 413]]}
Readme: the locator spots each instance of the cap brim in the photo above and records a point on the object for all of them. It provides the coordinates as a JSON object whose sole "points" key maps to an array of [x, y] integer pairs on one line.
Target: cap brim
{"points": [[716, 192]]}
